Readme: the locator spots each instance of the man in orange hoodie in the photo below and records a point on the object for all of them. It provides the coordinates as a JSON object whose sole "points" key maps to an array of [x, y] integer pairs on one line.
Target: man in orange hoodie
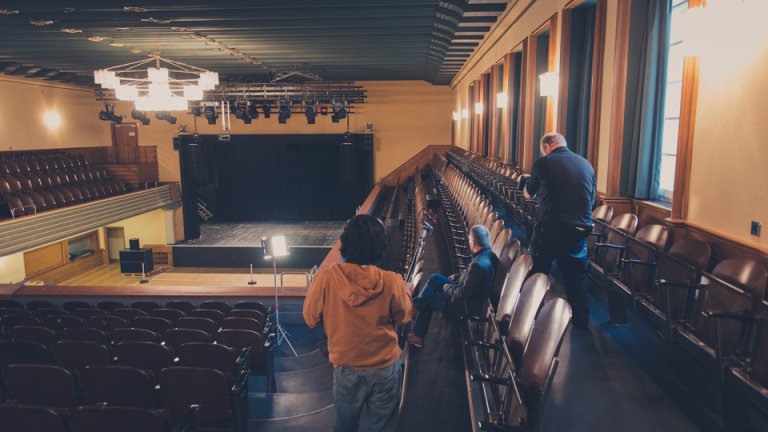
{"points": [[359, 305]]}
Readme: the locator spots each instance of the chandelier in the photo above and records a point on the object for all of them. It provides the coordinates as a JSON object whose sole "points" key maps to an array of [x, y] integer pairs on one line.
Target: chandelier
{"points": [[165, 85]]}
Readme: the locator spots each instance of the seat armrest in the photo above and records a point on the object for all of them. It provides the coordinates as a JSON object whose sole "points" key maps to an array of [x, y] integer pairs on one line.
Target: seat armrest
{"points": [[638, 262], [737, 316], [610, 246], [242, 359], [189, 420], [481, 344], [475, 318], [666, 284], [481, 377], [240, 383], [270, 342]]}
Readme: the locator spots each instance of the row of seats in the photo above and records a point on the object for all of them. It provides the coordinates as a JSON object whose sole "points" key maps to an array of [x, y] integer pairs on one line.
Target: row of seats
{"points": [[512, 345], [715, 313], [41, 181]]}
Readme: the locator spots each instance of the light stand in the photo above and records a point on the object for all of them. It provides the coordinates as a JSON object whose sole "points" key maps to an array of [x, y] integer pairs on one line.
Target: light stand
{"points": [[273, 249], [143, 279], [251, 282]]}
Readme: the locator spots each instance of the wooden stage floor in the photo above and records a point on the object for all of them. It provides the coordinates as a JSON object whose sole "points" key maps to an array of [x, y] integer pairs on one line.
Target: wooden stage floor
{"points": [[187, 282]]}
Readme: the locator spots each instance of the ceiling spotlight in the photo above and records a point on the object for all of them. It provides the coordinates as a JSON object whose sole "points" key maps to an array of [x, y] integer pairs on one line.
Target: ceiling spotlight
{"points": [[9, 11], [41, 22], [252, 110], [135, 9], [324, 110], [141, 116], [96, 38], [339, 111], [210, 115], [108, 114], [310, 112], [165, 115], [71, 30], [243, 112], [284, 111], [267, 109]]}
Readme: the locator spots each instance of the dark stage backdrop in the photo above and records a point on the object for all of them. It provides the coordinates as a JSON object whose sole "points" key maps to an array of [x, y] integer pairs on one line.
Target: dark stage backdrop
{"points": [[286, 177]]}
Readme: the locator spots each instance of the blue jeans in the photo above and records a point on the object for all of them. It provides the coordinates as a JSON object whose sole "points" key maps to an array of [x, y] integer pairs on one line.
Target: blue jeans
{"points": [[430, 299], [378, 390]]}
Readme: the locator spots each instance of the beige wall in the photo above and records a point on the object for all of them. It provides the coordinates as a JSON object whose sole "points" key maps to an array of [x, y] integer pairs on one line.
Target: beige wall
{"points": [[729, 181], [149, 228], [12, 268], [22, 104], [406, 115]]}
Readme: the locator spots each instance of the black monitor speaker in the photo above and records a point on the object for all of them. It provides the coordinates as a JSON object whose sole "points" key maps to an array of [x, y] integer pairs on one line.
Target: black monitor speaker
{"points": [[134, 244]]}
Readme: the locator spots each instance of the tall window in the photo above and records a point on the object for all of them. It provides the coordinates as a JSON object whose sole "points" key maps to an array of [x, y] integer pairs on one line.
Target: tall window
{"points": [[672, 103]]}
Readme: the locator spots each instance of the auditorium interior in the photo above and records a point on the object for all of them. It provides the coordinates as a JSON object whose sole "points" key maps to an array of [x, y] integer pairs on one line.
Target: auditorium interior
{"points": [[174, 174]]}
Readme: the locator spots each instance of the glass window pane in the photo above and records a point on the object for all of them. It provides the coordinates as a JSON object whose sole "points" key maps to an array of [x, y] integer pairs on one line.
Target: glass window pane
{"points": [[667, 174], [669, 143], [674, 94]]}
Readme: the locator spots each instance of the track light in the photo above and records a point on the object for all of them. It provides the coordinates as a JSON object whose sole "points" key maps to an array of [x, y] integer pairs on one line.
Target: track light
{"points": [[339, 111], [252, 110], [108, 114], [141, 116], [284, 110], [309, 110], [243, 112], [165, 115], [267, 109], [197, 111], [210, 115]]}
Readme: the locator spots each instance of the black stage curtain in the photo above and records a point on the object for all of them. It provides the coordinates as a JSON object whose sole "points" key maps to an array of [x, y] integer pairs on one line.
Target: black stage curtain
{"points": [[288, 177], [580, 79]]}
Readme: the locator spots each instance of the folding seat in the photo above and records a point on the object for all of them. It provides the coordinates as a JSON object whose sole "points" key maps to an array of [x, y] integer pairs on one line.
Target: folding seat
{"points": [[608, 253], [45, 312], [246, 323], [107, 323], [197, 323], [155, 324], [252, 305], [260, 358], [110, 305], [38, 201], [146, 306], [15, 206], [541, 357], [42, 385], [213, 356], [85, 334], [76, 355], [217, 305], [247, 313], [750, 379], [147, 356], [23, 418], [521, 322], [86, 313], [223, 403], [60, 198], [176, 337], [128, 313], [11, 304], [129, 419], [14, 312], [169, 314], [10, 321], [183, 306], [41, 335], [58, 323], [513, 282], [34, 305], [134, 335], [118, 385], [23, 352], [211, 314]]}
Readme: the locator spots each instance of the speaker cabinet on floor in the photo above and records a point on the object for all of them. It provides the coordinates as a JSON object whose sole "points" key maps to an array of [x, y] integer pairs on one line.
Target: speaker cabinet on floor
{"points": [[131, 260]]}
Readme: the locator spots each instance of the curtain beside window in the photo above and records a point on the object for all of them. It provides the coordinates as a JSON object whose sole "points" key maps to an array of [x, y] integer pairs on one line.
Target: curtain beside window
{"points": [[646, 87], [580, 79]]}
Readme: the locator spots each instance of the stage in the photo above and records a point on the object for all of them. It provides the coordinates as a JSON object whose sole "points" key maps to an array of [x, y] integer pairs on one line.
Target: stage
{"points": [[238, 244]]}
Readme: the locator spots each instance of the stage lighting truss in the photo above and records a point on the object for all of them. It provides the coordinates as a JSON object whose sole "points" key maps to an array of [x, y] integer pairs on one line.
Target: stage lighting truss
{"points": [[167, 85]]}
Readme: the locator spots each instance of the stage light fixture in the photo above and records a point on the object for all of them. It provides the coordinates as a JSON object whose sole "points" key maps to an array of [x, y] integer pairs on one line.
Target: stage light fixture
{"points": [[310, 113], [266, 108], [211, 115], [243, 112], [141, 116], [197, 111], [108, 114], [284, 111], [324, 110], [165, 115], [339, 111], [252, 110]]}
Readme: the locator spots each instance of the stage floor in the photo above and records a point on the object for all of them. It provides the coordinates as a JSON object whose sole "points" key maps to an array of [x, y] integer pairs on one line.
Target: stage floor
{"points": [[249, 233]]}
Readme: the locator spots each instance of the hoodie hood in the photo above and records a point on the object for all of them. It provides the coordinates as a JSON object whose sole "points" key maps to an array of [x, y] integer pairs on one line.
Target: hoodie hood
{"points": [[357, 284]]}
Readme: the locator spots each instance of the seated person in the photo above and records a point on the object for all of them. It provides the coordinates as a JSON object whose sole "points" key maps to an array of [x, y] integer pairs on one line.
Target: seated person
{"points": [[472, 284]]}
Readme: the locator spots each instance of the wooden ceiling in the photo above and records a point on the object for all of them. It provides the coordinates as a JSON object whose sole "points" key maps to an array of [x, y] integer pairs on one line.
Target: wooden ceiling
{"points": [[247, 41]]}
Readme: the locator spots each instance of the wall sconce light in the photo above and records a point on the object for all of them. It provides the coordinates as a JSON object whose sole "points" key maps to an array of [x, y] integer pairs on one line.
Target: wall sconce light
{"points": [[501, 100], [479, 108], [465, 113], [455, 116], [548, 83], [52, 120]]}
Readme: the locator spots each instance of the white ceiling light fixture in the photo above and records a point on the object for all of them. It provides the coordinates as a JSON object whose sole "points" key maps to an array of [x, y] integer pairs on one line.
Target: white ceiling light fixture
{"points": [[168, 86]]}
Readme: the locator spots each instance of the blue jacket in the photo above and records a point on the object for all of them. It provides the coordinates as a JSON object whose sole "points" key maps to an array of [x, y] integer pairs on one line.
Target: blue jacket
{"points": [[474, 283]]}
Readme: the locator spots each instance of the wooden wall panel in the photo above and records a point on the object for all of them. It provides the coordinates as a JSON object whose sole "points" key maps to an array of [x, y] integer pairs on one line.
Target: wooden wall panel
{"points": [[39, 260]]}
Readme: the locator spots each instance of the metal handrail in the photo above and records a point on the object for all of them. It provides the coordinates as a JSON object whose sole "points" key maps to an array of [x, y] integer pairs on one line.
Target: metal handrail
{"points": [[283, 274]]}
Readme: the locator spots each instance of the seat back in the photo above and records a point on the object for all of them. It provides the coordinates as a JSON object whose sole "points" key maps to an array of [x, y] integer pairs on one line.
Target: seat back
{"points": [[682, 264], [110, 305], [540, 357], [507, 257], [41, 335], [146, 306], [85, 334], [117, 385], [23, 352], [208, 355], [185, 386], [216, 305], [135, 335], [719, 295], [247, 313], [76, 355], [759, 363], [695, 253], [521, 322], [240, 339], [512, 285], [212, 314], [181, 305], [41, 385], [207, 325], [175, 337], [146, 356], [643, 248], [748, 274], [603, 213], [249, 323], [252, 305], [21, 418], [155, 324], [169, 314], [128, 313], [107, 323], [501, 240], [118, 419]]}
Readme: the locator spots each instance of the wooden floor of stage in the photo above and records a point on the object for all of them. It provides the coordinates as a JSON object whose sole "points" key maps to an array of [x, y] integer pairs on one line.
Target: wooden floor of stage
{"points": [[188, 282]]}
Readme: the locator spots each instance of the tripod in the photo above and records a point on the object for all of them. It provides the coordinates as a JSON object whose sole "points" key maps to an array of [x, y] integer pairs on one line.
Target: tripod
{"points": [[282, 335]]}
